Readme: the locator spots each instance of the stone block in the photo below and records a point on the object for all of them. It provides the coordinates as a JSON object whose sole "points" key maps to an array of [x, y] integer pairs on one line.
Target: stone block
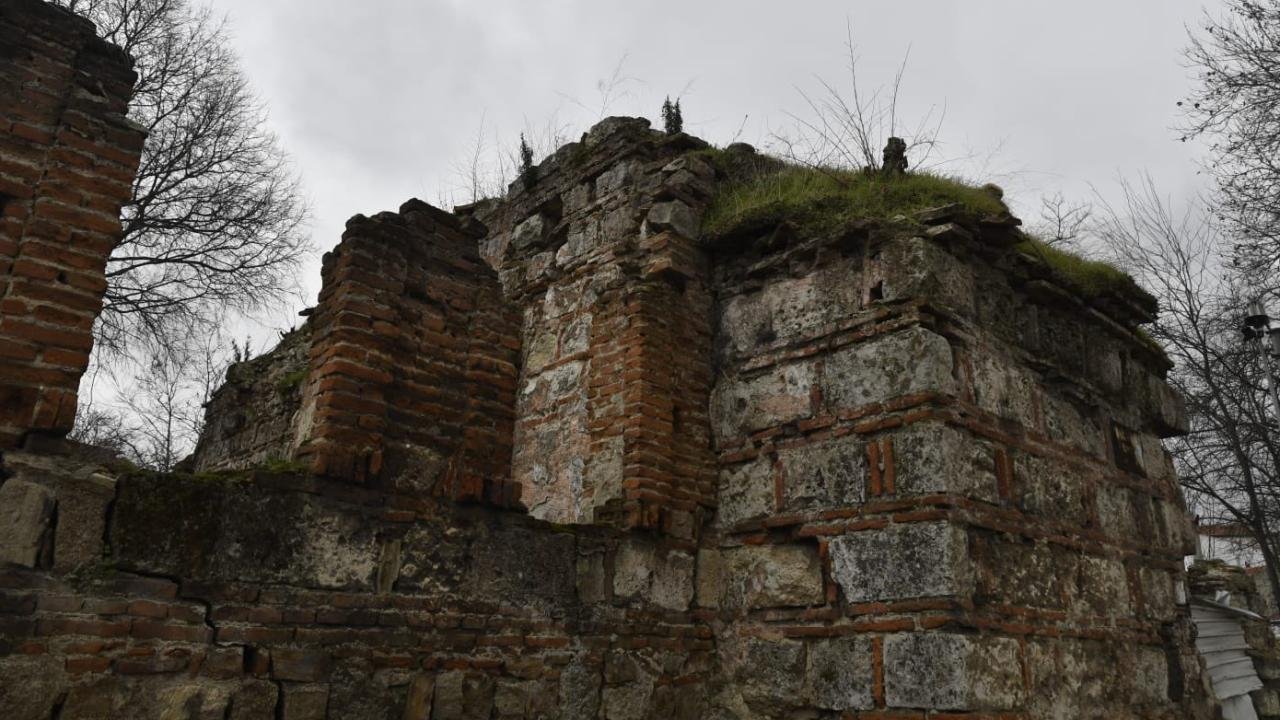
{"points": [[672, 585], [529, 233], [824, 475], [839, 673], [1103, 588], [672, 215], [633, 569], [511, 698], [901, 561], [788, 310], [255, 700], [664, 579], [782, 394], [746, 492], [580, 689], [460, 695], [26, 510], [82, 518], [1069, 425], [1049, 487], [31, 687], [1004, 388], [591, 578], [761, 576], [906, 362], [542, 573], [1159, 597], [1116, 512], [931, 458], [1147, 676], [627, 702], [772, 674], [300, 665], [709, 578], [1012, 570], [945, 671], [304, 702], [917, 268]]}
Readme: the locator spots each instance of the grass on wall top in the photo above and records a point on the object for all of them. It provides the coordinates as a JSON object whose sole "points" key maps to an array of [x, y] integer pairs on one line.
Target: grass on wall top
{"points": [[760, 191], [820, 200]]}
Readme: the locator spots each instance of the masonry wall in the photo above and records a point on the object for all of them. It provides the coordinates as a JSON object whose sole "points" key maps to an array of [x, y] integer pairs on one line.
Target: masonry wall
{"points": [[67, 158], [412, 362], [941, 485], [563, 456], [279, 596], [253, 418], [599, 256]]}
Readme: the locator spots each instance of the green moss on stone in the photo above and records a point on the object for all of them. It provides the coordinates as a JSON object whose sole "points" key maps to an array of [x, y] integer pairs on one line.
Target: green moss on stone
{"points": [[291, 381], [1091, 277], [279, 466]]}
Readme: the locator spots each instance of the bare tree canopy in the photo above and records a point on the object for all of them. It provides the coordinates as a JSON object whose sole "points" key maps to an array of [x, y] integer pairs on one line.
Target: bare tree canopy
{"points": [[848, 127], [1062, 224], [1236, 105], [1229, 462], [215, 223]]}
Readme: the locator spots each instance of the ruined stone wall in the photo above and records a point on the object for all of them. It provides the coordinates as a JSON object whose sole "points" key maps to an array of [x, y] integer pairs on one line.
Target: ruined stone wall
{"points": [[941, 485], [67, 158], [599, 255], [260, 595], [253, 418], [896, 471]]}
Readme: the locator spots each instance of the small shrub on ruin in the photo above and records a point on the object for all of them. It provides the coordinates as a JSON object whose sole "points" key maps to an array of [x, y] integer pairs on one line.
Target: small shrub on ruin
{"points": [[672, 120], [528, 173]]}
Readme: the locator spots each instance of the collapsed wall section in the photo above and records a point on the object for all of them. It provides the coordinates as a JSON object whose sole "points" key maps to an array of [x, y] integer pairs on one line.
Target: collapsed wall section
{"points": [[67, 159], [942, 487]]}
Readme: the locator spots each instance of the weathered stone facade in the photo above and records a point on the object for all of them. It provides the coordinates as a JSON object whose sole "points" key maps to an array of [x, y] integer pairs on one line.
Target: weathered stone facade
{"points": [[563, 456], [67, 159]]}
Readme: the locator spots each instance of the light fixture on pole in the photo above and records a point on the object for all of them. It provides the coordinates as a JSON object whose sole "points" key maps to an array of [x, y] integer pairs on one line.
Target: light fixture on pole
{"points": [[1257, 328]]}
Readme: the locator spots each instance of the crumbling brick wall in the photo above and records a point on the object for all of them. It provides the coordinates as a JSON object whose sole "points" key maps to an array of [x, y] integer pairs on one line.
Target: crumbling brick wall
{"points": [[412, 360], [66, 166]]}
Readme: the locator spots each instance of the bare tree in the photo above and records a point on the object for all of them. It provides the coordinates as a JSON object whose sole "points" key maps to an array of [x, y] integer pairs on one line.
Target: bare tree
{"points": [[1229, 462], [847, 127], [1236, 106], [111, 430], [215, 223], [1062, 224], [492, 162]]}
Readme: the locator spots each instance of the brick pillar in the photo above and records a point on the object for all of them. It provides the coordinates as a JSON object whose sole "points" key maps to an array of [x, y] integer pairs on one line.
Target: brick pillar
{"points": [[602, 255], [67, 160], [668, 471], [412, 360]]}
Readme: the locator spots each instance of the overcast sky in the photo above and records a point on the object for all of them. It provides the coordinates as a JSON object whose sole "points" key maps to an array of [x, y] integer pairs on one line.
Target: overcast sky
{"points": [[381, 100]]}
